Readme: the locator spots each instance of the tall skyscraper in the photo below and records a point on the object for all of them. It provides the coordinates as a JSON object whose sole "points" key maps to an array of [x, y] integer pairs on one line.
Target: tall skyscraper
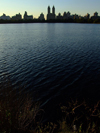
{"points": [[25, 15], [53, 10], [48, 9]]}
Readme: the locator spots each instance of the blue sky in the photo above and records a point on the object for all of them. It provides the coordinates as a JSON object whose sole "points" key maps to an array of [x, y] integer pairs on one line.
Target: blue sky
{"points": [[35, 7]]}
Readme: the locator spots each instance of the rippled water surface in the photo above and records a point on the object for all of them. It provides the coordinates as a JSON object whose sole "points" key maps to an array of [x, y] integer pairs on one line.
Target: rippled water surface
{"points": [[52, 60]]}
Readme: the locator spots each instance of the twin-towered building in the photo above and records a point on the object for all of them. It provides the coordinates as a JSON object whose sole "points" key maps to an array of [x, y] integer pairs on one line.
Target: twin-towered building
{"points": [[51, 15]]}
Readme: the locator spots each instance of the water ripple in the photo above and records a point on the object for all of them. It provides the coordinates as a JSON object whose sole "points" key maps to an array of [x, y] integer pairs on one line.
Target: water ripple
{"points": [[60, 63]]}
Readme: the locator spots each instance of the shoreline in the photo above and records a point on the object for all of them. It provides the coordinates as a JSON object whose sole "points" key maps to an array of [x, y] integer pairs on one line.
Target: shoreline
{"points": [[79, 21], [47, 22]]}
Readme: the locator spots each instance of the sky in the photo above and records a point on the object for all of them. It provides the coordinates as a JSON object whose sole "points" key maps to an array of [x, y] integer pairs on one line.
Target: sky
{"points": [[36, 7]]}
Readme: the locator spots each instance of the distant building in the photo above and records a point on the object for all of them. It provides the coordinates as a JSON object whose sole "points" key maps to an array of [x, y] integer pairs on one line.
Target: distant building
{"points": [[59, 16], [80, 17], [95, 16], [27, 17], [87, 16], [41, 17], [4, 17], [51, 16], [72, 16], [66, 15], [17, 17], [75, 16]]}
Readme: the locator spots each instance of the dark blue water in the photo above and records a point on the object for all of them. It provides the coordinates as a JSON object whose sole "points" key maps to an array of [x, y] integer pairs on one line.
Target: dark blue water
{"points": [[52, 60]]}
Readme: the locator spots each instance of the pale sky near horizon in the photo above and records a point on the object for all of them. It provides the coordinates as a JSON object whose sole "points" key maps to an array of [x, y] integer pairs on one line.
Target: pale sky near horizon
{"points": [[35, 7]]}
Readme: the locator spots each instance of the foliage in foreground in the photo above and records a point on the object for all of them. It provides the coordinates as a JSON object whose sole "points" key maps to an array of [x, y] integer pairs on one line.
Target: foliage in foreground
{"points": [[18, 113]]}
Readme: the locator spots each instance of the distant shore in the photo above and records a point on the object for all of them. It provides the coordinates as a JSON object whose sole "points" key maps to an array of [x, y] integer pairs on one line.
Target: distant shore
{"points": [[97, 21]]}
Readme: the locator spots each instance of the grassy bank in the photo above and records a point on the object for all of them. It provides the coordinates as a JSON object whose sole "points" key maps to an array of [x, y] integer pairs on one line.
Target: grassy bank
{"points": [[19, 113]]}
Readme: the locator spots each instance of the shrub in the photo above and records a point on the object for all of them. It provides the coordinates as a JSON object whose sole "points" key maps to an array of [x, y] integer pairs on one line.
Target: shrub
{"points": [[18, 112]]}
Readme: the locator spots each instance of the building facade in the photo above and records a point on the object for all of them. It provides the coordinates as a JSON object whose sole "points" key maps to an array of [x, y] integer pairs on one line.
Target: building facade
{"points": [[59, 17], [95, 16], [17, 17], [87, 16], [4, 17], [66, 15], [26, 17], [41, 17]]}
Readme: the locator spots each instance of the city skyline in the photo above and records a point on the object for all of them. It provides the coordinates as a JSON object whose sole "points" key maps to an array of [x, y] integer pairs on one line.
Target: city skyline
{"points": [[50, 16], [35, 8]]}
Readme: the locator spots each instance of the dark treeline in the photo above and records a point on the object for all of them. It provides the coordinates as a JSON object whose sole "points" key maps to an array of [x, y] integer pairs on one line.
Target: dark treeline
{"points": [[52, 21]]}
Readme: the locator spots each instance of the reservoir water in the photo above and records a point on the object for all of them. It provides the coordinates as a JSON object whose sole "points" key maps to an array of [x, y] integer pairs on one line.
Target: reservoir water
{"points": [[52, 60]]}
